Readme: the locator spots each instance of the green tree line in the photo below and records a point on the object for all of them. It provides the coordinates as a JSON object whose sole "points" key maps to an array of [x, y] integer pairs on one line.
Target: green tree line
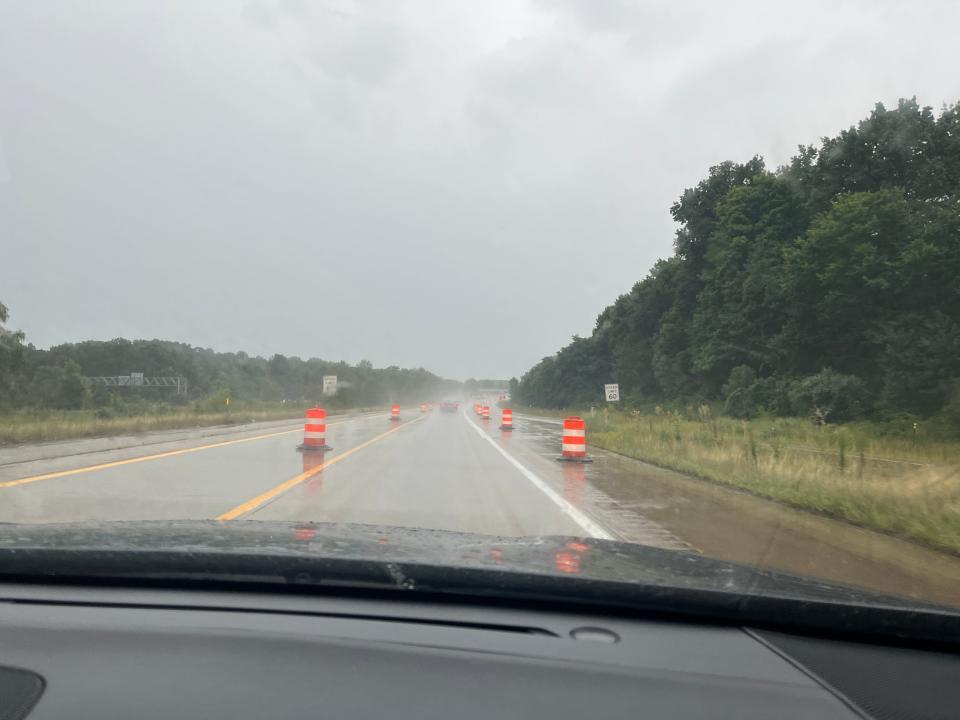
{"points": [[828, 286], [56, 378]]}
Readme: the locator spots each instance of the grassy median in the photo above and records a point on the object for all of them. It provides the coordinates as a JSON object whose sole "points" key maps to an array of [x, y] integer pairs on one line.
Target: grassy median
{"points": [[45, 425], [904, 485]]}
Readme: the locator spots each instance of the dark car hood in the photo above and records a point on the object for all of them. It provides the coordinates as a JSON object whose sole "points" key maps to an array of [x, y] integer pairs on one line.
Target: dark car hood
{"points": [[559, 556], [570, 569]]}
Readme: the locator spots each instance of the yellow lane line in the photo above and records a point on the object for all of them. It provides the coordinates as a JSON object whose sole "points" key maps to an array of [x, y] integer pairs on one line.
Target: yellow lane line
{"points": [[270, 494], [144, 458]]}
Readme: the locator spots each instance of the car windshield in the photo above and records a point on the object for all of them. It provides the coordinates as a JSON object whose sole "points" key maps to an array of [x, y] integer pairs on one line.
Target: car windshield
{"points": [[535, 285]]}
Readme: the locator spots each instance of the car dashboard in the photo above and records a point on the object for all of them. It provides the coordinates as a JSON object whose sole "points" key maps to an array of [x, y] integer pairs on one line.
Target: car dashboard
{"points": [[145, 653]]}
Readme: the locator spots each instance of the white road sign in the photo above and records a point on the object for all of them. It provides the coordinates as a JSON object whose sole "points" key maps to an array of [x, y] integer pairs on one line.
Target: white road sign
{"points": [[612, 392], [329, 384]]}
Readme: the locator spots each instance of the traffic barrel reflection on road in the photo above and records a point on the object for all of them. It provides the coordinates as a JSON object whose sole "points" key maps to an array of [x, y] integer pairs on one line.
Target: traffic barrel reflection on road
{"points": [[574, 484], [506, 419], [313, 469], [573, 446], [394, 412], [315, 431]]}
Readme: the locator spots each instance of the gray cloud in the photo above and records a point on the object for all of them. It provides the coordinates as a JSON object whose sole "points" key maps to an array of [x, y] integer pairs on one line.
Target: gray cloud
{"points": [[456, 185], [371, 53]]}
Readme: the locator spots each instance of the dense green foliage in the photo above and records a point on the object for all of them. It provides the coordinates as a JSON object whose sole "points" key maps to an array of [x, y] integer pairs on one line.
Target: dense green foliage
{"points": [[829, 286], [56, 378]]}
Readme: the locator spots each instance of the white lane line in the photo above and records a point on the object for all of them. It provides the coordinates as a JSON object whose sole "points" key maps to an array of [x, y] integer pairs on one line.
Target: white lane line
{"points": [[537, 418], [588, 525]]}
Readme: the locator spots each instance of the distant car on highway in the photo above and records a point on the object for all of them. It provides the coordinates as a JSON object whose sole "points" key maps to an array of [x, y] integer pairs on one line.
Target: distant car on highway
{"points": [[449, 406]]}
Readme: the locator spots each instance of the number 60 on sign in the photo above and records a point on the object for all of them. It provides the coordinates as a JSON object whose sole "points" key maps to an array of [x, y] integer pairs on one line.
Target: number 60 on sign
{"points": [[612, 392]]}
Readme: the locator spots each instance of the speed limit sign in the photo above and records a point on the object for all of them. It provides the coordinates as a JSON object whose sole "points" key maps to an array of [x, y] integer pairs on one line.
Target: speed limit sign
{"points": [[612, 392]]}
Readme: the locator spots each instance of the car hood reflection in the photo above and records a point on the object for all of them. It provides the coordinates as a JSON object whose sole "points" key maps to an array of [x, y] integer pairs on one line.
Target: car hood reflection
{"points": [[215, 549]]}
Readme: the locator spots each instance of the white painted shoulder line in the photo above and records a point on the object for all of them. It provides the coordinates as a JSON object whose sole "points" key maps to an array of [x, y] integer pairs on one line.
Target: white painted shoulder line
{"points": [[589, 526], [537, 418]]}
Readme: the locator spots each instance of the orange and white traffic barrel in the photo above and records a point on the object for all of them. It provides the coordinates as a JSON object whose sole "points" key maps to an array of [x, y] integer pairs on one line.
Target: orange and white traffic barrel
{"points": [[315, 431], [506, 419], [394, 412], [485, 412], [574, 443], [424, 407]]}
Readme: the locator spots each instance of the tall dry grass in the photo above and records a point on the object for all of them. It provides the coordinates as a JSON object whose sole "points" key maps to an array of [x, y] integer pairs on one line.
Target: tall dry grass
{"points": [[49, 426], [896, 485]]}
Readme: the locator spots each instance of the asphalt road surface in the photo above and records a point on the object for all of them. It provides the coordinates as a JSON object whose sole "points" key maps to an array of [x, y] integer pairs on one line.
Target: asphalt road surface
{"points": [[455, 471], [450, 471]]}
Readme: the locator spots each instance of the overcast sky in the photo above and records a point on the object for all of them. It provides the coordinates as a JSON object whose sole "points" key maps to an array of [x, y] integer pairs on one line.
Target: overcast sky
{"points": [[457, 185]]}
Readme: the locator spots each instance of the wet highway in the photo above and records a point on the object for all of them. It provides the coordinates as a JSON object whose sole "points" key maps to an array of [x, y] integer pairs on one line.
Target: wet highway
{"points": [[454, 471], [433, 470]]}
